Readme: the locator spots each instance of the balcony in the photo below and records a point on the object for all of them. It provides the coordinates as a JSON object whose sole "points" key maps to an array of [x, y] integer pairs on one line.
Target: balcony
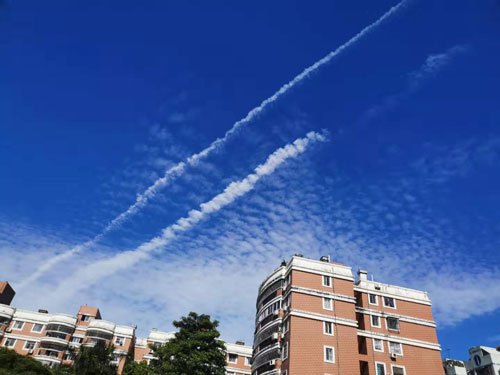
{"points": [[48, 359], [270, 353], [102, 325], [63, 319], [55, 339], [6, 311]]}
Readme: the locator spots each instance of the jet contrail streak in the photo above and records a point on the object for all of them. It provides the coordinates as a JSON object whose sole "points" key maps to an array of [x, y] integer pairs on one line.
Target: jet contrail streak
{"points": [[92, 274], [179, 168]]}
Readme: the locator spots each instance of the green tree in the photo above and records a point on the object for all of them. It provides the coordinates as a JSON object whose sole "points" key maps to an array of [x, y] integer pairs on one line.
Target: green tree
{"points": [[195, 349], [95, 360], [135, 368], [12, 363]]}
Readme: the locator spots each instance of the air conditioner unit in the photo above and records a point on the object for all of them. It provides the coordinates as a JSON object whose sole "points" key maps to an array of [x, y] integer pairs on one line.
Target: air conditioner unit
{"points": [[31, 351], [393, 355], [8, 330], [276, 312], [275, 336], [272, 362], [285, 308], [283, 335]]}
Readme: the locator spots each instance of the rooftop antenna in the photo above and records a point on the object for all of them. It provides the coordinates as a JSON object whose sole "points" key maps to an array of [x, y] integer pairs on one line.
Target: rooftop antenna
{"points": [[372, 277]]}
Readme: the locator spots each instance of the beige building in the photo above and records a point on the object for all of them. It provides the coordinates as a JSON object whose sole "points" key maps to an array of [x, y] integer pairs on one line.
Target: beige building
{"points": [[314, 318]]}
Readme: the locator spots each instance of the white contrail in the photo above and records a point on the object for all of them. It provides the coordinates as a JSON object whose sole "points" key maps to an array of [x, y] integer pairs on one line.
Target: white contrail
{"points": [[179, 168], [92, 274]]}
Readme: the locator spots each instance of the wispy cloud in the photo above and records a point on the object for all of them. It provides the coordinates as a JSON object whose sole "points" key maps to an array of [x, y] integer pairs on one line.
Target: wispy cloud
{"points": [[179, 168]]}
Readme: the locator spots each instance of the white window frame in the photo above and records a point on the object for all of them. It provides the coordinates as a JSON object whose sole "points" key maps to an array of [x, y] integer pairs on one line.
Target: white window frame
{"points": [[325, 324], [33, 327], [26, 343], [14, 325], [325, 347], [13, 343], [79, 340], [247, 361], [389, 347], [329, 278], [379, 323], [228, 358], [380, 363], [389, 307], [375, 348], [285, 351], [119, 337], [376, 299], [387, 324], [331, 303], [86, 318], [392, 369], [286, 326]]}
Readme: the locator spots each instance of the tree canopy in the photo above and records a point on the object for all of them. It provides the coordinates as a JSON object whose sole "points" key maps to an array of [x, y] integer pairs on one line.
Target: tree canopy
{"points": [[195, 349], [12, 363], [94, 360]]}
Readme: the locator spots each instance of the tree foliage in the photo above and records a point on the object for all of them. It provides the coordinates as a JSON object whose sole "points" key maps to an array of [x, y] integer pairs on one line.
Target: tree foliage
{"points": [[12, 363], [95, 360], [135, 368], [195, 349]]}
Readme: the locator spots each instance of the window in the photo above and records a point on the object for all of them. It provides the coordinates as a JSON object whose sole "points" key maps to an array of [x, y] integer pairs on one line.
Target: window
{"points": [[389, 302], [395, 348], [285, 351], [329, 354], [327, 303], [286, 326], [18, 325], [372, 299], [378, 345], [393, 324], [375, 321], [247, 361], [37, 327], [398, 370], [327, 281], [9, 343], [85, 318], [232, 358], [328, 328], [29, 345], [77, 340], [380, 368], [120, 341]]}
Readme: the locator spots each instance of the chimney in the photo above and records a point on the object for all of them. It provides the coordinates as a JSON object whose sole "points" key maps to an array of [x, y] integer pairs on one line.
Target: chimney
{"points": [[240, 343], [363, 274], [43, 311]]}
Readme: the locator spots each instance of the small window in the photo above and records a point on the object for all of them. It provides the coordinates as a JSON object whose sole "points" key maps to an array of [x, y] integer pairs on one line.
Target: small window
{"points": [[375, 320], [37, 327], [286, 326], [328, 328], [247, 361], [329, 354], [285, 351], [327, 281], [378, 345], [393, 324], [120, 341], [327, 303], [395, 348], [77, 340], [232, 358], [398, 370], [372, 299], [380, 368], [18, 325], [85, 318], [389, 302], [29, 345], [9, 343]]}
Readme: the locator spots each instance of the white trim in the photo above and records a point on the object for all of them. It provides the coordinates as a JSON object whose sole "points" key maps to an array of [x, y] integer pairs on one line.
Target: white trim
{"points": [[318, 272], [329, 278], [322, 317], [9, 338], [376, 299], [22, 337], [392, 369], [374, 348], [332, 328], [278, 320], [371, 321], [236, 370], [325, 299], [275, 299], [325, 347], [26, 342], [320, 293], [402, 318], [395, 342], [284, 351], [247, 361], [380, 363], [393, 300], [361, 289], [34, 324], [406, 341], [387, 324]]}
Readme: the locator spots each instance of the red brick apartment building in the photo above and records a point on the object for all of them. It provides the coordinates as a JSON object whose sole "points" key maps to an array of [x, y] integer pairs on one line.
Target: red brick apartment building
{"points": [[48, 337], [314, 319]]}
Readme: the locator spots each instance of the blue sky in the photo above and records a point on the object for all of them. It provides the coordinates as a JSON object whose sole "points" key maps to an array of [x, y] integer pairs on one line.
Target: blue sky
{"points": [[100, 99]]}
